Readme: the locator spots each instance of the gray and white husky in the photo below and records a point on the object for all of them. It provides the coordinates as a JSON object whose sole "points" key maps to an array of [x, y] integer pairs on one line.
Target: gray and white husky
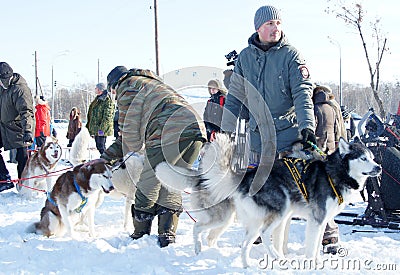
{"points": [[219, 193]]}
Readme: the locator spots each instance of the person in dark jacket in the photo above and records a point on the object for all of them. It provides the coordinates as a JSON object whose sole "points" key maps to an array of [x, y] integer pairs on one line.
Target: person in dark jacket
{"points": [[213, 112], [74, 125], [16, 114], [327, 124], [329, 129], [100, 117], [271, 76]]}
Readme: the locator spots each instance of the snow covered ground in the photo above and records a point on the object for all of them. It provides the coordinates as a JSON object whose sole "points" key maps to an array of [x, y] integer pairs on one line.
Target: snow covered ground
{"points": [[113, 252]]}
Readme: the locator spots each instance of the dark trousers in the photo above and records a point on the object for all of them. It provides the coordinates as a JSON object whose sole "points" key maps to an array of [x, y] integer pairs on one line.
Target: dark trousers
{"points": [[40, 140], [100, 143], [22, 158], [3, 168]]}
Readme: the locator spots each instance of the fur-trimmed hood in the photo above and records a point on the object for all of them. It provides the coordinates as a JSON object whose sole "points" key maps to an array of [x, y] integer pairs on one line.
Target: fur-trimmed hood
{"points": [[215, 83]]}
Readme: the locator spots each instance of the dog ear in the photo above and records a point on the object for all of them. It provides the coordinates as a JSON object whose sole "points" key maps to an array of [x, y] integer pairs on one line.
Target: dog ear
{"points": [[344, 147]]}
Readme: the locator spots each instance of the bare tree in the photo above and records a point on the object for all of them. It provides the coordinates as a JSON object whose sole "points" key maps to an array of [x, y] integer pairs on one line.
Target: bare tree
{"points": [[353, 15]]}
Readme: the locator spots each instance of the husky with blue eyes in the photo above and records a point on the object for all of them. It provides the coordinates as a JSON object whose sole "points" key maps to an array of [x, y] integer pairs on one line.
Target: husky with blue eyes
{"points": [[314, 190]]}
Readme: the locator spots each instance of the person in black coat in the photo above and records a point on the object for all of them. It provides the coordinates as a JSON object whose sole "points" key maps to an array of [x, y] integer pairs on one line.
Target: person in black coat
{"points": [[213, 112], [17, 118]]}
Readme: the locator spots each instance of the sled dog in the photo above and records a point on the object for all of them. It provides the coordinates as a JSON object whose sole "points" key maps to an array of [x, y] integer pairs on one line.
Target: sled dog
{"points": [[73, 199], [327, 184], [125, 176], [41, 163], [79, 152]]}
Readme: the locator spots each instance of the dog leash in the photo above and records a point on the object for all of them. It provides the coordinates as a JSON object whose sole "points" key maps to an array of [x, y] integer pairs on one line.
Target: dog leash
{"points": [[315, 147]]}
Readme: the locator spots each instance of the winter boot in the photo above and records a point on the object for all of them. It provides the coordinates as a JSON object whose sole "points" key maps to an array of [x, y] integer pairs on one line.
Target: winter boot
{"points": [[258, 240], [142, 223], [5, 182], [167, 225]]}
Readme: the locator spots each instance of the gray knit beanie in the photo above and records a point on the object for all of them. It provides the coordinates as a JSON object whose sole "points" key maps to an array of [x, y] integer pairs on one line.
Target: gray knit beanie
{"points": [[264, 14], [101, 86]]}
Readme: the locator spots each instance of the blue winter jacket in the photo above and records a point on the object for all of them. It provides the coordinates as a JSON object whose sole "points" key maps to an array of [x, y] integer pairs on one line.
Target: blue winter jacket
{"points": [[276, 80]]}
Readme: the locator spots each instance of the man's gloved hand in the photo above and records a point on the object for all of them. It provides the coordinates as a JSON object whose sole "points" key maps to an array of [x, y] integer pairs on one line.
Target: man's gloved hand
{"points": [[100, 133], [27, 138], [308, 135], [41, 134]]}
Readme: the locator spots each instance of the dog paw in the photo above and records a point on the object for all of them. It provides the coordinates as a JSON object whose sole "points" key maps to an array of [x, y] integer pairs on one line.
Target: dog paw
{"points": [[197, 247]]}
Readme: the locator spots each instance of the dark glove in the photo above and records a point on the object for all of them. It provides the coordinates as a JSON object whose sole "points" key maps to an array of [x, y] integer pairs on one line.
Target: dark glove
{"points": [[100, 133], [41, 134], [308, 135], [27, 138]]}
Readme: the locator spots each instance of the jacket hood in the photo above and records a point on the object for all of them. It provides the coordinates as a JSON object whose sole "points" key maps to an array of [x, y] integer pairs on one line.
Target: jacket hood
{"points": [[215, 83], [18, 80], [321, 97], [39, 101]]}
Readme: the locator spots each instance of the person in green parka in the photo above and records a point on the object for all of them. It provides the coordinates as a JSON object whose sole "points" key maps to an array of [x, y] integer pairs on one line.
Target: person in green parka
{"points": [[100, 117]]}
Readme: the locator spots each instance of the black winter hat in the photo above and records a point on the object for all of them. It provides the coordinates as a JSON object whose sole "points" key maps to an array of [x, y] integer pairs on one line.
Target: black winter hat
{"points": [[115, 75], [5, 70]]}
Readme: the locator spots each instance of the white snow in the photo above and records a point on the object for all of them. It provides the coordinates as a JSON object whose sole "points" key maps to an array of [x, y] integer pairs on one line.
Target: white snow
{"points": [[113, 252]]}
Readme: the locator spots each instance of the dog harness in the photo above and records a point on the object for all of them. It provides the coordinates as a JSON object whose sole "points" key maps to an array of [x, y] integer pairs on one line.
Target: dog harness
{"points": [[50, 199], [291, 165], [84, 199], [338, 196], [78, 189], [298, 177]]}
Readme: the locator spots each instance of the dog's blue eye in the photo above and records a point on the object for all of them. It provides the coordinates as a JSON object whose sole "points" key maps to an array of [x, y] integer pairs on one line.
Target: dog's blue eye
{"points": [[364, 159]]}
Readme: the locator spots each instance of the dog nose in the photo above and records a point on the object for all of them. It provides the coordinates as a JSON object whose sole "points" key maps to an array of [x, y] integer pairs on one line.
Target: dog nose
{"points": [[378, 169], [111, 188]]}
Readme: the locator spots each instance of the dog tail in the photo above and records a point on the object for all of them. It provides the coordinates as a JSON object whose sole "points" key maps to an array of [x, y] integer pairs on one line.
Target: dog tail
{"points": [[32, 228], [79, 150], [175, 178]]}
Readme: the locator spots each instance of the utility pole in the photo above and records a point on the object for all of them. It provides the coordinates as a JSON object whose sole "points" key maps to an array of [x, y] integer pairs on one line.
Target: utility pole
{"points": [[52, 93], [156, 37], [36, 76]]}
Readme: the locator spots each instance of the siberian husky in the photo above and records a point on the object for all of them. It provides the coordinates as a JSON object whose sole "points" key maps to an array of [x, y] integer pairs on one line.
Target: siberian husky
{"points": [[73, 199], [40, 164], [125, 176], [220, 193]]}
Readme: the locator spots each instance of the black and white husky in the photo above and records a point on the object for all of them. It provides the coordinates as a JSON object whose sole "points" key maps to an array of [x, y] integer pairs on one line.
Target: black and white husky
{"points": [[218, 194]]}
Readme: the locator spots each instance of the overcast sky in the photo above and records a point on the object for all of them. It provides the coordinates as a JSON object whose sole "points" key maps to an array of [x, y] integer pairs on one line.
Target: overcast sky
{"points": [[75, 35]]}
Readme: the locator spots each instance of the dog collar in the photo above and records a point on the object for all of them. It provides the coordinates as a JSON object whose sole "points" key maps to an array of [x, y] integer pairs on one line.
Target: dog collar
{"points": [[84, 199]]}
